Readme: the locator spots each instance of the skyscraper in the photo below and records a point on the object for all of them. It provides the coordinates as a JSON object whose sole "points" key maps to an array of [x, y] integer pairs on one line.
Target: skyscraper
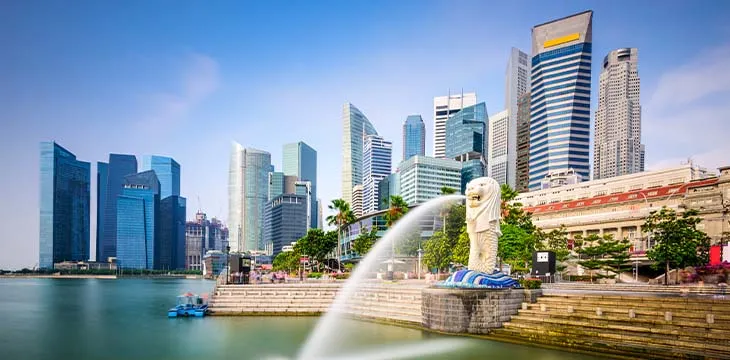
{"points": [[414, 137], [517, 84], [561, 78], [286, 220], [168, 172], [443, 107], [355, 127], [617, 136], [138, 207], [357, 200], [248, 191], [376, 163], [498, 146], [300, 160], [421, 178], [466, 141], [170, 252], [523, 143], [64, 206], [111, 178]]}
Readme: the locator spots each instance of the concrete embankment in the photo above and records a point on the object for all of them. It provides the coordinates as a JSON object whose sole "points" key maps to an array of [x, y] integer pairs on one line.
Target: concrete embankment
{"points": [[644, 322], [25, 276]]}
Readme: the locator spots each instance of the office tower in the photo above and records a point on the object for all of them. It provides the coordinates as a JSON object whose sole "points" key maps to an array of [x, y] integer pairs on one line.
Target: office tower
{"points": [[64, 206], [320, 220], [168, 172], [617, 143], [517, 84], [560, 97], [203, 235], [355, 127], [248, 191], [466, 135], [286, 220], [376, 164], [357, 200], [276, 184], [300, 160], [523, 143], [111, 178], [414, 137], [138, 208], [421, 178], [387, 187], [498, 147], [170, 252], [443, 107], [304, 188]]}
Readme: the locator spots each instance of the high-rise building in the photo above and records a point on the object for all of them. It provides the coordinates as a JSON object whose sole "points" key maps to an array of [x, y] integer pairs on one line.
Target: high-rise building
{"points": [[64, 206], [466, 141], [387, 187], [443, 107], [376, 164], [498, 147], [617, 135], [170, 252], [201, 236], [137, 221], [421, 178], [286, 220], [248, 192], [414, 137], [357, 200], [560, 97], [355, 127], [110, 177], [300, 160], [276, 184], [168, 172], [320, 219], [517, 84], [523, 143]]}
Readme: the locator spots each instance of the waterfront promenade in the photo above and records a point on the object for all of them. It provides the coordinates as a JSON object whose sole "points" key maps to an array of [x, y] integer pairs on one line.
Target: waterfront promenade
{"points": [[623, 320]]}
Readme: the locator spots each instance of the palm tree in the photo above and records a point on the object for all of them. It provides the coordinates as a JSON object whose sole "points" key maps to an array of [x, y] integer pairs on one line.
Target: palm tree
{"points": [[445, 190], [342, 217], [507, 195], [397, 207]]}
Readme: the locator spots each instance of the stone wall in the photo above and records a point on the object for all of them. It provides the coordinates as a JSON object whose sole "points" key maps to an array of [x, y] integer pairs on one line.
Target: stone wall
{"points": [[474, 311]]}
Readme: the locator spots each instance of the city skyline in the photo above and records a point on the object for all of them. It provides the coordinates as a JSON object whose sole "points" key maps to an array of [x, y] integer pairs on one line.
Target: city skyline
{"points": [[199, 81]]}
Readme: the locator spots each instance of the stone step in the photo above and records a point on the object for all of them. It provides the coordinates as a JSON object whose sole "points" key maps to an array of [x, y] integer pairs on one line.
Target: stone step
{"points": [[383, 310], [640, 313], [263, 311], [628, 347], [617, 332], [671, 299], [676, 324], [659, 304]]}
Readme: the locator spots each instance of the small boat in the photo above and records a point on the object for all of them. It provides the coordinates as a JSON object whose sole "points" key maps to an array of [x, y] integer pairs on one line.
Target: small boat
{"points": [[189, 304]]}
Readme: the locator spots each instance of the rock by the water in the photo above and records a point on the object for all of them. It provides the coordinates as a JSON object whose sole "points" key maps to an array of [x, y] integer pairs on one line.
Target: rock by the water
{"points": [[478, 279]]}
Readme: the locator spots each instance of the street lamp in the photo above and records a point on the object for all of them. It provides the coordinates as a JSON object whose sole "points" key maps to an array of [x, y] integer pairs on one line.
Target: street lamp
{"points": [[228, 263], [420, 255]]}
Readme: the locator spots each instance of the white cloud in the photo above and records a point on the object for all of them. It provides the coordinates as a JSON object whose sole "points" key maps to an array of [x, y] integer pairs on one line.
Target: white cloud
{"points": [[199, 78], [688, 115]]}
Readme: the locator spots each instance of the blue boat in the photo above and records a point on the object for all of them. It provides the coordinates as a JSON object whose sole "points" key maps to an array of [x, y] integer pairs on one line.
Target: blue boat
{"points": [[189, 305]]}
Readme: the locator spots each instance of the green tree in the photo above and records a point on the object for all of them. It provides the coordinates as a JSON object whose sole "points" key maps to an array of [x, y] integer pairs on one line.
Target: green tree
{"points": [[455, 220], [556, 241], [318, 244], [678, 242], [603, 253], [438, 251], [444, 211], [397, 208], [409, 244], [515, 247], [365, 241], [460, 254], [286, 261], [343, 216]]}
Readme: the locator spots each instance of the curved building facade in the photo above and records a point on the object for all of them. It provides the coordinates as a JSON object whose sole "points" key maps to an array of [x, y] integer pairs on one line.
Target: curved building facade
{"points": [[248, 191], [414, 137], [355, 126], [560, 97]]}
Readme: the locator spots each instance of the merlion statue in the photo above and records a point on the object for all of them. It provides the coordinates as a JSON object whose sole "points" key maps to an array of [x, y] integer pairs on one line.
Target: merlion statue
{"points": [[482, 223], [483, 211]]}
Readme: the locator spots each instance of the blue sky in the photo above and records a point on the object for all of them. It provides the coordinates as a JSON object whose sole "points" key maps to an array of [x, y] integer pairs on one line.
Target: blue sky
{"points": [[185, 78]]}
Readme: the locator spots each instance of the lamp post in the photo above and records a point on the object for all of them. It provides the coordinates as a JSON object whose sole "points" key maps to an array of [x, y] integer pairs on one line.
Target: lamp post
{"points": [[420, 255], [228, 263]]}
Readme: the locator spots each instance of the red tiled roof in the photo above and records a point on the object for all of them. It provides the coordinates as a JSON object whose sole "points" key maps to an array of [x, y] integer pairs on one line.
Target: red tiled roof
{"points": [[621, 197]]}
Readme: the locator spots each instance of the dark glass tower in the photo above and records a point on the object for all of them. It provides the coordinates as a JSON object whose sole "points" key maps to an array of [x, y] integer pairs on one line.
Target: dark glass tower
{"points": [[168, 172], [111, 179], [414, 137], [170, 243], [64, 206], [300, 160], [137, 219]]}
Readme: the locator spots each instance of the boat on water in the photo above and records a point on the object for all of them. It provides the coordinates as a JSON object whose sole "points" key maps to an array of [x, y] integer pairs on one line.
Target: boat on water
{"points": [[189, 304]]}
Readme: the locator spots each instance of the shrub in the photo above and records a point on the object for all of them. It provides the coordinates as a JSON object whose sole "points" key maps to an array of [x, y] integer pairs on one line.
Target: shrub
{"points": [[314, 275], [531, 283], [342, 276]]}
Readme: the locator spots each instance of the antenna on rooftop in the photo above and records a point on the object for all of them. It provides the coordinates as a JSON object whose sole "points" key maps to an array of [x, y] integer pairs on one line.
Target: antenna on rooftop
{"points": [[200, 208]]}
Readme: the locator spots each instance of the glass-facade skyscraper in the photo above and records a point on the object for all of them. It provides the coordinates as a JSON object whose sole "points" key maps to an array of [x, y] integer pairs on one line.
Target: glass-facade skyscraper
{"points": [[168, 172], [376, 165], [560, 97], [414, 137], [64, 206], [355, 127], [137, 220], [286, 220], [110, 178], [170, 251], [300, 160], [466, 141], [248, 192]]}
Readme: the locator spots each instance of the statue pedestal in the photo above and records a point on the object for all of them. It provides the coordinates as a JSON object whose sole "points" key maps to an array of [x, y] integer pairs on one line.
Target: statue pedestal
{"points": [[471, 310]]}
